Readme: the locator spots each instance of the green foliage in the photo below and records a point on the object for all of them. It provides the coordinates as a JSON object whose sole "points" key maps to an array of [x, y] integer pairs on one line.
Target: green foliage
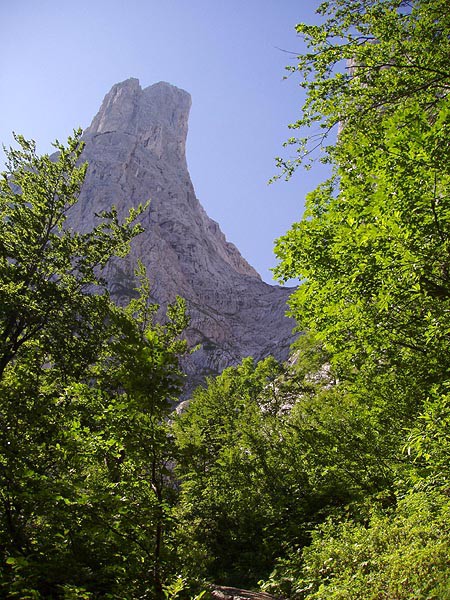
{"points": [[361, 63], [264, 455], [85, 391], [401, 555], [232, 480], [372, 248], [374, 254], [429, 444], [45, 270]]}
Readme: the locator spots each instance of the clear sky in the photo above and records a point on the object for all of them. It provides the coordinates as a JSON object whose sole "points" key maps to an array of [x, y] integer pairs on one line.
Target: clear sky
{"points": [[58, 59]]}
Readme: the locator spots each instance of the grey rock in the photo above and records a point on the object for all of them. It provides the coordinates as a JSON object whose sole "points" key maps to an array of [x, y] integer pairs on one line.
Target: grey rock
{"points": [[135, 148], [221, 592]]}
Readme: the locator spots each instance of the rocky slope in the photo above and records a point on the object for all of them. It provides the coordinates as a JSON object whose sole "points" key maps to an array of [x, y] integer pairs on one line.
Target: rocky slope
{"points": [[135, 148]]}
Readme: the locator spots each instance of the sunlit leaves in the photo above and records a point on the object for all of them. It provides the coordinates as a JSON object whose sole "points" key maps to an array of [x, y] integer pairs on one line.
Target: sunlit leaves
{"points": [[372, 253], [85, 391], [364, 57]]}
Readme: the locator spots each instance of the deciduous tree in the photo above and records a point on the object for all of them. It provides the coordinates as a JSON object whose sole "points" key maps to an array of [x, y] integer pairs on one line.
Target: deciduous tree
{"points": [[85, 391]]}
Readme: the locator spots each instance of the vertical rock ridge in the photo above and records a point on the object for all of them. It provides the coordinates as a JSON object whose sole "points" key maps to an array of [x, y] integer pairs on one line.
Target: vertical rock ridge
{"points": [[136, 150]]}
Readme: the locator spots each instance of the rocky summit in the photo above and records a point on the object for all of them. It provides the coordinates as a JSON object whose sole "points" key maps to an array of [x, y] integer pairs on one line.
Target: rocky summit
{"points": [[135, 148]]}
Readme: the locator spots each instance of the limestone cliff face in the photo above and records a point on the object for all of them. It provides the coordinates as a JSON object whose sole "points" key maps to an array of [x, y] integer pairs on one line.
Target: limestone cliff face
{"points": [[135, 148]]}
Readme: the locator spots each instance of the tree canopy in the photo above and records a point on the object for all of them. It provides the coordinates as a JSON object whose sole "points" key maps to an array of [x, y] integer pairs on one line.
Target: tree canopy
{"points": [[372, 253], [372, 247], [364, 61], [85, 391]]}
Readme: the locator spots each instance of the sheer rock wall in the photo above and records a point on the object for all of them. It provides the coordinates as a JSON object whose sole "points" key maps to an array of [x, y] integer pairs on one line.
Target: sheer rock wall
{"points": [[135, 148]]}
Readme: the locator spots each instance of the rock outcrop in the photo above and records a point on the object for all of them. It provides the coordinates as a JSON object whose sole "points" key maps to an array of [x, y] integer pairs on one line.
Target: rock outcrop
{"points": [[220, 592], [135, 148]]}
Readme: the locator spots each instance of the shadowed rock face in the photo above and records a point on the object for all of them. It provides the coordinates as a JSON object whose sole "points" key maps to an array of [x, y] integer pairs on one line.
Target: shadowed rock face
{"points": [[135, 148]]}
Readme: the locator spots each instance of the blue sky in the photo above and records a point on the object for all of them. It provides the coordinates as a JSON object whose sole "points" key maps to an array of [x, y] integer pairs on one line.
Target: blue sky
{"points": [[58, 59]]}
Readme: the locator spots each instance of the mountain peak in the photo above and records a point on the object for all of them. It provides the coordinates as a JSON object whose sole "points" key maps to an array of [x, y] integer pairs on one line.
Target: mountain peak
{"points": [[156, 115], [135, 148]]}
